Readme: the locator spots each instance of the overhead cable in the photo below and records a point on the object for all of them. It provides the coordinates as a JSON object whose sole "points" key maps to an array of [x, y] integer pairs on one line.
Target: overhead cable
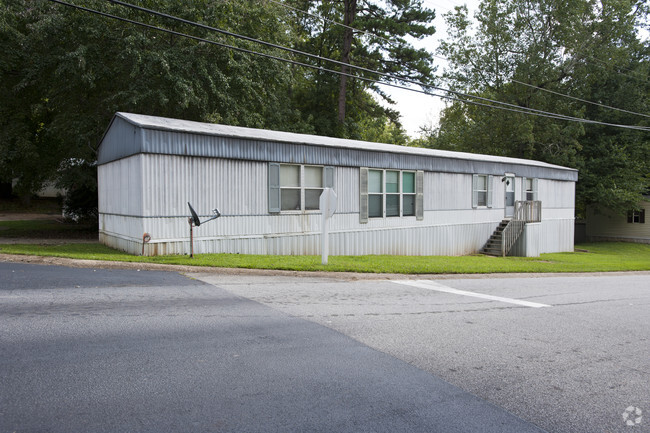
{"points": [[320, 68], [359, 68], [447, 60]]}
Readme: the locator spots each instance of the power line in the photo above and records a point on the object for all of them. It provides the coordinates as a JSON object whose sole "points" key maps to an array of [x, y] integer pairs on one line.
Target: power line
{"points": [[382, 74], [447, 60], [578, 99], [317, 57], [244, 50]]}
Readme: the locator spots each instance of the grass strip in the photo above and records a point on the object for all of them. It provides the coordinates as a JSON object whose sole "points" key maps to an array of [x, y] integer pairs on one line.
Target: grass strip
{"points": [[594, 257]]}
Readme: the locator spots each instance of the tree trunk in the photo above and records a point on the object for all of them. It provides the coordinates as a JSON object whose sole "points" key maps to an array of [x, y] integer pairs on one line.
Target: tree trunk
{"points": [[350, 10]]}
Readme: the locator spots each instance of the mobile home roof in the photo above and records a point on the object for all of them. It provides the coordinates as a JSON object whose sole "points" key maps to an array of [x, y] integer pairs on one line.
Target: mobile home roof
{"points": [[130, 134]]}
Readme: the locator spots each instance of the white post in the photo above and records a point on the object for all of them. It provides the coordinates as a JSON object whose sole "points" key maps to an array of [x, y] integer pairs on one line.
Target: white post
{"points": [[325, 241], [327, 204]]}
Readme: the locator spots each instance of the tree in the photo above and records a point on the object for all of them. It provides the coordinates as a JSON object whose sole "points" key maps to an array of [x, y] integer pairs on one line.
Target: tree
{"points": [[66, 72], [375, 38], [520, 52]]}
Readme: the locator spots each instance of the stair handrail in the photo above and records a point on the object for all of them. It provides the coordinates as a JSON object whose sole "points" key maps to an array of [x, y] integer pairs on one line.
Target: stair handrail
{"points": [[510, 235], [526, 211]]}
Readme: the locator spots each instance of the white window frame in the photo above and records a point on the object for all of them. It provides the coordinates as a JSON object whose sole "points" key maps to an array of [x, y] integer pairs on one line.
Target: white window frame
{"points": [[529, 194], [366, 194], [275, 187], [489, 180]]}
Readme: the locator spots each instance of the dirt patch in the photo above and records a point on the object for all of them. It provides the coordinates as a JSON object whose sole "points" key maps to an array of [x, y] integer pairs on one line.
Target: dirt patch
{"points": [[49, 241], [9, 216]]}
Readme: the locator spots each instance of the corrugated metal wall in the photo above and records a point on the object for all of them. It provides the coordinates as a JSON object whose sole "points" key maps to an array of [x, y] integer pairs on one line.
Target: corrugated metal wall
{"points": [[456, 239], [235, 187], [120, 186], [239, 189]]}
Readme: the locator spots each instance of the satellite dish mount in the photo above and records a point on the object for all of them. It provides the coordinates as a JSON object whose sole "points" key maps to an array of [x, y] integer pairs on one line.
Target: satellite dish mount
{"points": [[194, 220]]}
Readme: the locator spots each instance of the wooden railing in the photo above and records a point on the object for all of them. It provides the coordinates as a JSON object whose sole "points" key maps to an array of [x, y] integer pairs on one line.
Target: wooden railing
{"points": [[528, 211], [525, 212]]}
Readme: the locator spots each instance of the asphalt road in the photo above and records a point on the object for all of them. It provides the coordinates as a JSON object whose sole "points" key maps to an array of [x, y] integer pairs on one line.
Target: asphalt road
{"points": [[574, 365], [85, 350]]}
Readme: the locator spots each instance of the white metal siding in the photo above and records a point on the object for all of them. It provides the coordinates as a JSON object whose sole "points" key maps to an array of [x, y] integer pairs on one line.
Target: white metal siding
{"points": [[457, 239], [447, 191], [557, 235], [120, 186], [235, 187], [556, 194], [149, 193], [347, 189]]}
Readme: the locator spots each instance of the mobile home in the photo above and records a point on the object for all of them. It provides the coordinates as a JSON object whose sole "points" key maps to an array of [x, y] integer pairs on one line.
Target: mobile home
{"points": [[390, 199]]}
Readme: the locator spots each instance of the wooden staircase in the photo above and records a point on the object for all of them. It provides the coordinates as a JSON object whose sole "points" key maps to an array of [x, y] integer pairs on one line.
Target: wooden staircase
{"points": [[506, 234], [493, 245]]}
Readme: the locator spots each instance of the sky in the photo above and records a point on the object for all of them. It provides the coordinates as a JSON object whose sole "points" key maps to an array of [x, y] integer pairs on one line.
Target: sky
{"points": [[418, 109]]}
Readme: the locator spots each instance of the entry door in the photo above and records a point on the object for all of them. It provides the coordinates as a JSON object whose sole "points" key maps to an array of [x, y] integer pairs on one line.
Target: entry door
{"points": [[509, 186]]}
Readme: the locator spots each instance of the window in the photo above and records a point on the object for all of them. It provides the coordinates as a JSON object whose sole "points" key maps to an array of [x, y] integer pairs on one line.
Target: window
{"points": [[408, 193], [636, 216], [375, 193], [390, 193], [481, 190], [290, 187], [294, 187], [313, 187], [530, 189]]}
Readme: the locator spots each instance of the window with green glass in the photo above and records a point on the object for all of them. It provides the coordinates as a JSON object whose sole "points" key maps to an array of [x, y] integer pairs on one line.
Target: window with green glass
{"points": [[408, 193], [391, 193], [375, 193]]}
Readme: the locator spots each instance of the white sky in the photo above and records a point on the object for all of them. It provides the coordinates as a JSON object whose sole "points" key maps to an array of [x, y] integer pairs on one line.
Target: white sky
{"points": [[418, 109]]}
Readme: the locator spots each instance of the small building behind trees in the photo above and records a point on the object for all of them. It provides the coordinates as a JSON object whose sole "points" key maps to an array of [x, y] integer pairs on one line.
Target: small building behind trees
{"points": [[603, 224], [391, 199]]}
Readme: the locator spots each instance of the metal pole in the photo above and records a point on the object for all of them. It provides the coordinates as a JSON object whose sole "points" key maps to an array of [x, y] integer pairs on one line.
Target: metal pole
{"points": [[191, 237]]}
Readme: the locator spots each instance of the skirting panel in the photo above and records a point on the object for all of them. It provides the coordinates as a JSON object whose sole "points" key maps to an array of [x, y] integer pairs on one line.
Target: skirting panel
{"points": [[452, 240]]}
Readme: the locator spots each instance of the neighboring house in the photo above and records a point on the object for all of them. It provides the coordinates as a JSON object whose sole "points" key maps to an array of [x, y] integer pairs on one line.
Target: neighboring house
{"points": [[391, 199], [49, 190], [606, 225]]}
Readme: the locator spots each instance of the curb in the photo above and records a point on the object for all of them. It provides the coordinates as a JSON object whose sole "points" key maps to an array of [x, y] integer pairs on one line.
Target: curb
{"points": [[349, 276]]}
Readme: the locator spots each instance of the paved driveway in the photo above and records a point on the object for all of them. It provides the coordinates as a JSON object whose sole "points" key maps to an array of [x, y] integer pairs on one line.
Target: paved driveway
{"points": [[573, 361], [92, 350]]}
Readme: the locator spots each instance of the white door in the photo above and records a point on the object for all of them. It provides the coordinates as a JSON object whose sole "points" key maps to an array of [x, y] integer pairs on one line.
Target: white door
{"points": [[509, 182]]}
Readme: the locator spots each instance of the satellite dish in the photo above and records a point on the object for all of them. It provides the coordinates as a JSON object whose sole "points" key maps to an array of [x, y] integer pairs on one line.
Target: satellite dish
{"points": [[195, 217]]}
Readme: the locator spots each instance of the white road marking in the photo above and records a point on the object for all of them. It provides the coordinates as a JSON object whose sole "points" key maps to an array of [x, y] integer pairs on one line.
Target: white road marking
{"points": [[432, 285]]}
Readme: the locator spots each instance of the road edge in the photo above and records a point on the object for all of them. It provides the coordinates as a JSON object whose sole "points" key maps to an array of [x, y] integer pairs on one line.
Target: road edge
{"points": [[101, 264]]}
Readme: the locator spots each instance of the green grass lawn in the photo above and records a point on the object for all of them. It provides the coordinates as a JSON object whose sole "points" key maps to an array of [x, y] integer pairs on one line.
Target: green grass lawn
{"points": [[597, 257]]}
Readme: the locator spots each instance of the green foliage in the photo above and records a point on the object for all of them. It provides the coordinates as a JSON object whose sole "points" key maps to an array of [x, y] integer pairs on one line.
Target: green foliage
{"points": [[599, 257], [592, 52], [67, 72], [393, 23]]}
